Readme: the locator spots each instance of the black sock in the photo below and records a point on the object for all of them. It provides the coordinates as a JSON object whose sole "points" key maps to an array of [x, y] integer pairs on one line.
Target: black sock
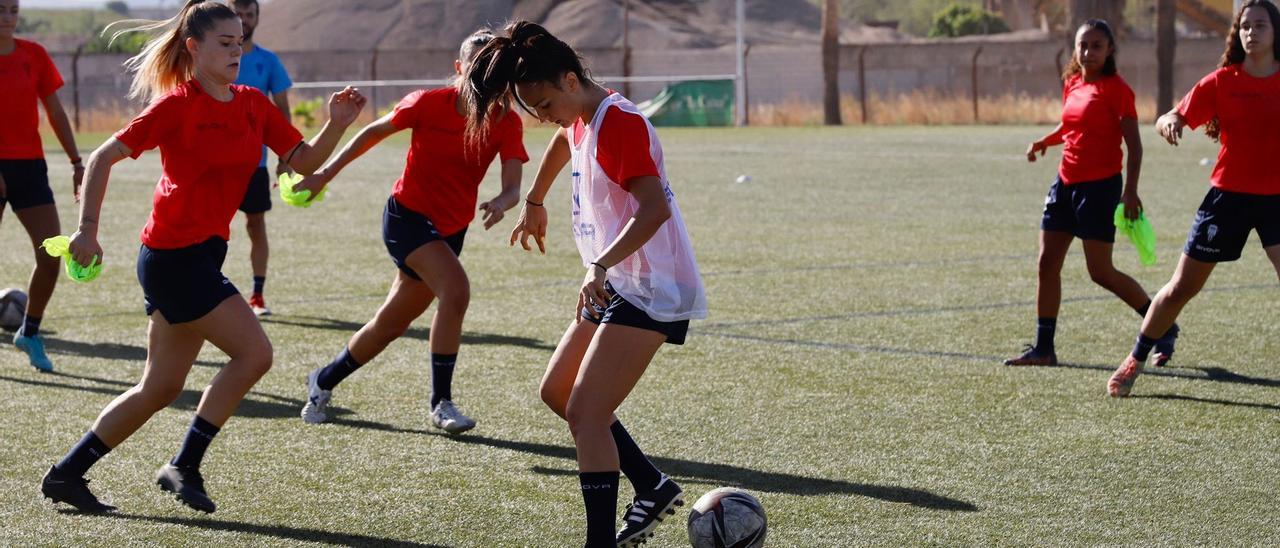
{"points": [[84, 454], [258, 282], [194, 446], [1143, 310], [30, 326], [1142, 348], [600, 495], [644, 476], [337, 370], [1045, 329], [442, 377]]}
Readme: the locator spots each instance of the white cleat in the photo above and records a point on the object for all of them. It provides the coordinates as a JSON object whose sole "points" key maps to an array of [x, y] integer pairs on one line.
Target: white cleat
{"points": [[447, 417], [317, 400]]}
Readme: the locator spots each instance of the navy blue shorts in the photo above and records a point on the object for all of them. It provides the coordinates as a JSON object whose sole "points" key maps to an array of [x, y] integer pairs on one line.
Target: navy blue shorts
{"points": [[1087, 210], [26, 183], [1224, 221], [257, 198], [621, 312], [405, 230], [185, 284]]}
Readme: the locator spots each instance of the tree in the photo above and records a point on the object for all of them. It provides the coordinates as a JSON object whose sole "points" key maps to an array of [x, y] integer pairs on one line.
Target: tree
{"points": [[965, 20], [830, 63], [118, 6]]}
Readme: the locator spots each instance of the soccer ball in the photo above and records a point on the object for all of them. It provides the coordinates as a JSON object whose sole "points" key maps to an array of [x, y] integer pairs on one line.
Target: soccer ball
{"points": [[727, 518], [13, 307]]}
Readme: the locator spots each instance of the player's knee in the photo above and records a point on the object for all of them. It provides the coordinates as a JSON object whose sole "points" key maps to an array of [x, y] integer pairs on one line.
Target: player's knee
{"points": [[455, 300], [555, 397], [582, 417]]}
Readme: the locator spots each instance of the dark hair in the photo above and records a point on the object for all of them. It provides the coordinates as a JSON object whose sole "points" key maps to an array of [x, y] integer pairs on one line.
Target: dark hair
{"points": [[528, 53], [164, 62], [1108, 68], [467, 53], [1235, 54]]}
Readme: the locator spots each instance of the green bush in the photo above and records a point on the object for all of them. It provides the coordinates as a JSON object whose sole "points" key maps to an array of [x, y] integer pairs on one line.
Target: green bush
{"points": [[965, 20], [307, 111]]}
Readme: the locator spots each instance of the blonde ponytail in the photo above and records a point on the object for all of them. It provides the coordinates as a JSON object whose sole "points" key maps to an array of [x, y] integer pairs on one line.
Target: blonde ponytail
{"points": [[164, 62]]}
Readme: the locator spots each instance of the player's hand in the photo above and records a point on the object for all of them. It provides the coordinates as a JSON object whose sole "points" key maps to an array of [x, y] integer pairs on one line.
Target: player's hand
{"points": [[493, 213], [314, 182], [593, 294], [84, 248], [1132, 205], [77, 179], [533, 222], [1034, 148], [281, 169], [345, 106], [1170, 127]]}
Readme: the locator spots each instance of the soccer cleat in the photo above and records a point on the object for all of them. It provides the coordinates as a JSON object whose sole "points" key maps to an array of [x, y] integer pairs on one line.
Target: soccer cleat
{"points": [[646, 510], [259, 305], [187, 485], [1031, 356], [73, 490], [1122, 380], [1164, 347], [447, 417], [317, 400], [34, 347]]}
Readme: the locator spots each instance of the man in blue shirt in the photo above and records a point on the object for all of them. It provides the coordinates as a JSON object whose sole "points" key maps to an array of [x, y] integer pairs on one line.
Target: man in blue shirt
{"points": [[261, 69]]}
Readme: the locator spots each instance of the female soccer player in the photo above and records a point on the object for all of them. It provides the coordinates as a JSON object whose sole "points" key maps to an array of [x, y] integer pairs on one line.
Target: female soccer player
{"points": [[1098, 112], [27, 77], [1239, 105], [641, 285], [210, 135], [423, 226]]}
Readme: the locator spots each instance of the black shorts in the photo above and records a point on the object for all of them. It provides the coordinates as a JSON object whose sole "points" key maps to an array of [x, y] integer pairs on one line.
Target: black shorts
{"points": [[1223, 223], [257, 198], [621, 312], [187, 283], [405, 230], [1087, 210], [26, 183]]}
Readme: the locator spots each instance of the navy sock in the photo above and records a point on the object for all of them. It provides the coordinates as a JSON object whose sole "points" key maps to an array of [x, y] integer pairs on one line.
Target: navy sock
{"points": [[442, 377], [1143, 310], [196, 443], [30, 326], [1045, 329], [644, 476], [600, 495], [1142, 349], [83, 455], [340, 368], [258, 282]]}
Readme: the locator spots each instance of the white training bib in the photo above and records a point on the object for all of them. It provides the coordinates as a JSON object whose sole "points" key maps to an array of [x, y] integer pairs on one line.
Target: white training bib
{"points": [[661, 278]]}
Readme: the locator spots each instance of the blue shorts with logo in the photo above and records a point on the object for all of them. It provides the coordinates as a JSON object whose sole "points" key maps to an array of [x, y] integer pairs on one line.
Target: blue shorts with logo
{"points": [[405, 230], [1224, 221], [184, 284], [26, 184], [1086, 209]]}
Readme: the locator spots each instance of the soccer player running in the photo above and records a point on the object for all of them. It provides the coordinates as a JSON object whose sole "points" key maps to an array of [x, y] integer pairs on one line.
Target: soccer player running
{"points": [[641, 286], [423, 226], [28, 77], [1239, 106], [262, 70], [210, 135], [1098, 113]]}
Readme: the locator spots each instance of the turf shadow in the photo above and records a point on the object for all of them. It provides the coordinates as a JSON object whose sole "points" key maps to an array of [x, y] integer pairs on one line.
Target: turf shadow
{"points": [[1177, 397], [1214, 374], [255, 405], [419, 333], [109, 351], [283, 532]]}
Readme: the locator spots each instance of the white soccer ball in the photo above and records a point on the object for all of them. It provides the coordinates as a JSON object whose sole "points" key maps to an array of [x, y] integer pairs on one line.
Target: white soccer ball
{"points": [[743, 179], [13, 307], [727, 518], [1205, 162]]}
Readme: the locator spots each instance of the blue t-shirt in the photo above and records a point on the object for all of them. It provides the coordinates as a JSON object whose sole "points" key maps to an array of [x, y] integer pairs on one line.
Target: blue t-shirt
{"points": [[261, 69]]}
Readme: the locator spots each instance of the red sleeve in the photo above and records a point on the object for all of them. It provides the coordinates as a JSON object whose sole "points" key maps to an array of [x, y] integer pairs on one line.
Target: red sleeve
{"points": [[1200, 105], [1123, 100], [153, 126], [408, 111], [48, 80], [277, 132], [623, 147], [512, 145]]}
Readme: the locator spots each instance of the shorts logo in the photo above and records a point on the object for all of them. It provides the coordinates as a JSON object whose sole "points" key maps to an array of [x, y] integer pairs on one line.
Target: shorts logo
{"points": [[1212, 231]]}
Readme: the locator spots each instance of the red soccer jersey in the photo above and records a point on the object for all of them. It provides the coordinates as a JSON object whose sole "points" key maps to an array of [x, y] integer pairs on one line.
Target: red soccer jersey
{"points": [[209, 150], [1248, 113], [27, 75], [1091, 114], [622, 149], [441, 174]]}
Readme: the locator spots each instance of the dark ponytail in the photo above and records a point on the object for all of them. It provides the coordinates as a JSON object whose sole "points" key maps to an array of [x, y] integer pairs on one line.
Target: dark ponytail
{"points": [[528, 53]]}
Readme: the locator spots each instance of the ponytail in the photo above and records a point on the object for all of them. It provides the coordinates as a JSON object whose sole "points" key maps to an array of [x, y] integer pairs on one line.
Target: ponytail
{"points": [[164, 62]]}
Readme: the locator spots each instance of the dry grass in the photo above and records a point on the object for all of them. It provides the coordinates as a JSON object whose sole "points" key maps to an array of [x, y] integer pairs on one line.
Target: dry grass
{"points": [[926, 108]]}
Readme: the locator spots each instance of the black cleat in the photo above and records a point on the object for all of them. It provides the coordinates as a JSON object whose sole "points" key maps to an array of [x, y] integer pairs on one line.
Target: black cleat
{"points": [[646, 510], [1031, 356], [187, 485], [73, 490]]}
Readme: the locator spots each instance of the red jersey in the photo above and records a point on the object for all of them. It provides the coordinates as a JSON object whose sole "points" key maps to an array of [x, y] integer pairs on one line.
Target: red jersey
{"points": [[622, 148], [1091, 114], [27, 75], [441, 174], [1248, 112], [209, 150]]}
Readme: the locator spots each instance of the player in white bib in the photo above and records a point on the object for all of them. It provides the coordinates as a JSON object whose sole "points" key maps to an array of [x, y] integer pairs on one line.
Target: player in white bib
{"points": [[641, 285]]}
